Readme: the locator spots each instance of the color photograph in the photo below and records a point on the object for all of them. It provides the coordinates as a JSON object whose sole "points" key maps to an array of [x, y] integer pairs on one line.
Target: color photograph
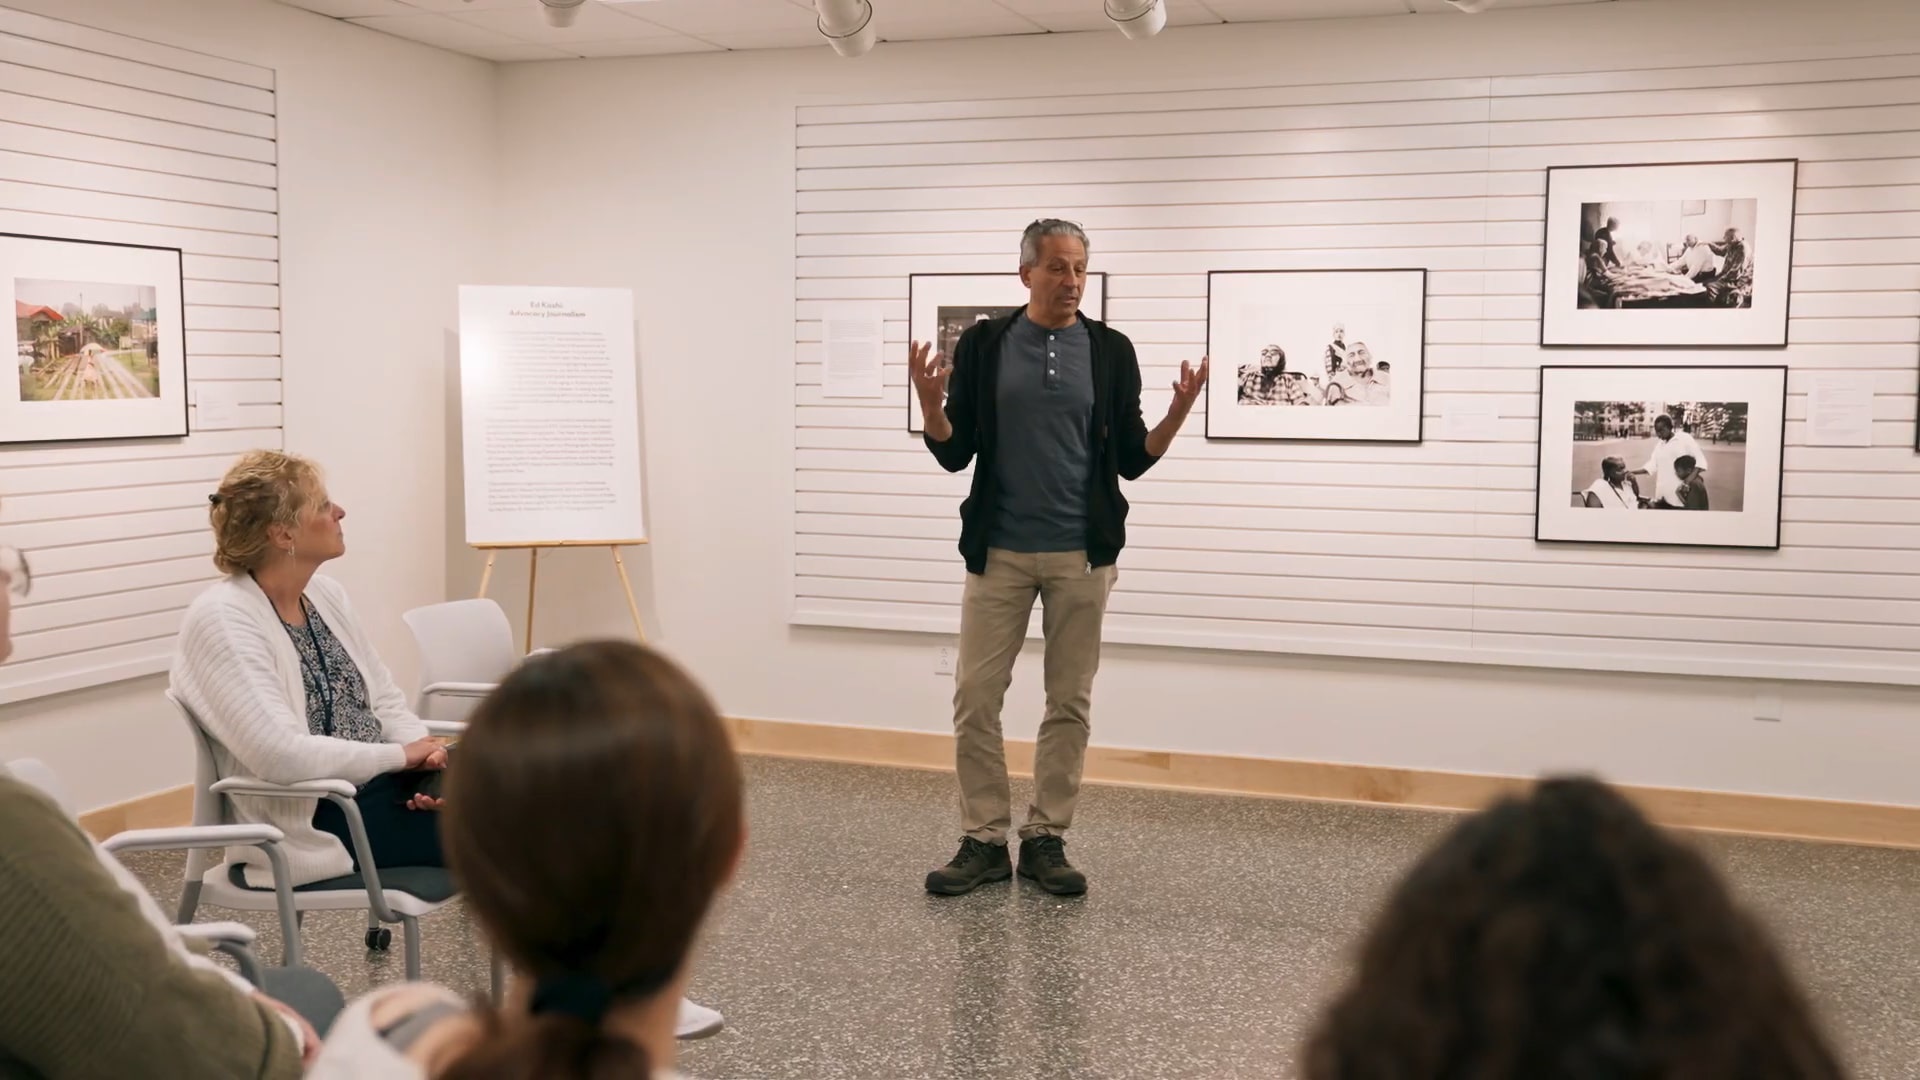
{"points": [[99, 341]]}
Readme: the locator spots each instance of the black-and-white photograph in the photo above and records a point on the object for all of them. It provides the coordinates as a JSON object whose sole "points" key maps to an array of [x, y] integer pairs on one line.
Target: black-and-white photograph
{"points": [[1692, 254], [1316, 354], [940, 308], [1675, 253], [1657, 455], [1704, 439]]}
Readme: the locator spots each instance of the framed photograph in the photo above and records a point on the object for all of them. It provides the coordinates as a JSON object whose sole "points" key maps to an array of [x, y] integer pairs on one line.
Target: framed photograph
{"points": [[1685, 255], [940, 307], [98, 340], [1334, 355], [1692, 455]]}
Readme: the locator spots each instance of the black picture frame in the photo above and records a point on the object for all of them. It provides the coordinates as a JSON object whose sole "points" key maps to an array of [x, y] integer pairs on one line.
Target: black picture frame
{"points": [[916, 284], [1223, 376], [1778, 430], [166, 423], [1552, 256]]}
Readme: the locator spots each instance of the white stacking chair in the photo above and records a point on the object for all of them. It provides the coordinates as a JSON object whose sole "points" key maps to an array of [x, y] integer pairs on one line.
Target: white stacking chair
{"points": [[394, 895], [466, 648]]}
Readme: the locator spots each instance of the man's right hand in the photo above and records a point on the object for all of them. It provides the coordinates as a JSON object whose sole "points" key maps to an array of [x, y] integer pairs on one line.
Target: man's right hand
{"points": [[930, 372]]}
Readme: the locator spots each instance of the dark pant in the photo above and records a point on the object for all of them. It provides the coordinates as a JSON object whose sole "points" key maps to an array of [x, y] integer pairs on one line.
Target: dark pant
{"points": [[398, 836]]}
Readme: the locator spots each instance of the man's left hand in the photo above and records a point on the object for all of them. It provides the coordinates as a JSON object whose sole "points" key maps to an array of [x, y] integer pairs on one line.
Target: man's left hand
{"points": [[1186, 388]]}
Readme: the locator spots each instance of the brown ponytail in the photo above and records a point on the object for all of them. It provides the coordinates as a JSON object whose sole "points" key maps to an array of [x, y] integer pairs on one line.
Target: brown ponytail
{"points": [[593, 813]]}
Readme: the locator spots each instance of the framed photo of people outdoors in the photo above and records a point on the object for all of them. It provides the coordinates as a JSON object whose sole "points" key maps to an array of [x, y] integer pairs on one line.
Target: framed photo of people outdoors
{"points": [[1683, 255], [940, 307], [1661, 455], [99, 341], [1336, 355]]}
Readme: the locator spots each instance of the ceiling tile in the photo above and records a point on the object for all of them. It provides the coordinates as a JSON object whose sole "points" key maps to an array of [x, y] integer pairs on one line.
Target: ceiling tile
{"points": [[1274, 10], [793, 38], [719, 16], [1068, 15], [1440, 6], [913, 20], [518, 50], [594, 22], [348, 9], [448, 7], [438, 30], [650, 46]]}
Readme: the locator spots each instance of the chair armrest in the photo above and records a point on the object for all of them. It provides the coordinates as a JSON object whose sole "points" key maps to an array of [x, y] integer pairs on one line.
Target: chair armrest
{"points": [[458, 689], [192, 836], [446, 728], [304, 789], [338, 792], [214, 934]]}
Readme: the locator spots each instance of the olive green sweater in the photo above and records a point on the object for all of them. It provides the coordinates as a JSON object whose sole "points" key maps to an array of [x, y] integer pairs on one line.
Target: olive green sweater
{"points": [[88, 988]]}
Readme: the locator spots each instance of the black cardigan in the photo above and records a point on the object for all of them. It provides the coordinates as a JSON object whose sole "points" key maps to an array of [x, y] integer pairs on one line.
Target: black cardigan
{"points": [[1119, 436]]}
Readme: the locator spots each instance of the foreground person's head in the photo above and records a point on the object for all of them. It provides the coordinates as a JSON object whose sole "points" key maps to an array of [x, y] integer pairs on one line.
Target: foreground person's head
{"points": [[1562, 935], [593, 814]]}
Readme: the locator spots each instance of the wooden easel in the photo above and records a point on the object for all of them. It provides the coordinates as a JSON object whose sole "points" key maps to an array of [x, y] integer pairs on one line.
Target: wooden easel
{"points": [[533, 573]]}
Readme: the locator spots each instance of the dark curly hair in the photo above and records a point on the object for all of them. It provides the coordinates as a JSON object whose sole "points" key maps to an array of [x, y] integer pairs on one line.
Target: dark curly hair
{"points": [[1561, 936]]}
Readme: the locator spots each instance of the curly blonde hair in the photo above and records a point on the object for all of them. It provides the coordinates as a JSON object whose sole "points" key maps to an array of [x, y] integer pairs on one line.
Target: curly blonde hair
{"points": [[264, 488]]}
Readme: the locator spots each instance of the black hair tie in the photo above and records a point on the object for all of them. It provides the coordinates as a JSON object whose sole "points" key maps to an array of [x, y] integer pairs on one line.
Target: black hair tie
{"points": [[214, 499], [589, 997]]}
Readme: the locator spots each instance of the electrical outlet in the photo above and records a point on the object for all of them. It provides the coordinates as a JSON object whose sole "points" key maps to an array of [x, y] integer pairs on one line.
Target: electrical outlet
{"points": [[944, 659]]}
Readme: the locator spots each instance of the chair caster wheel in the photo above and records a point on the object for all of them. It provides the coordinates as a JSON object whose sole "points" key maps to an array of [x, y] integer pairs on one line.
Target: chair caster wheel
{"points": [[379, 938]]}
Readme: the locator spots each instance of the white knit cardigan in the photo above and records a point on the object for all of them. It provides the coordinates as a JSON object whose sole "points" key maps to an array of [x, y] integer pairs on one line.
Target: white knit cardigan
{"points": [[236, 667]]}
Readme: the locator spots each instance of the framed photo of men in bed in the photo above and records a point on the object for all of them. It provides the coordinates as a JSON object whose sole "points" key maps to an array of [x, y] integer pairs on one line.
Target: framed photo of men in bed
{"points": [[1661, 455], [1335, 355], [1683, 256], [940, 307]]}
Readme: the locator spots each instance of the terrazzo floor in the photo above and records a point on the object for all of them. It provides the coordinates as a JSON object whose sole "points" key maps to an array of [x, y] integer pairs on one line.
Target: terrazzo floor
{"points": [[1212, 930]]}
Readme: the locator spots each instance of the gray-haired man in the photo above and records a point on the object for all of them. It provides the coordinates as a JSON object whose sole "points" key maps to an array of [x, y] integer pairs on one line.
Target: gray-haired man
{"points": [[1046, 403]]}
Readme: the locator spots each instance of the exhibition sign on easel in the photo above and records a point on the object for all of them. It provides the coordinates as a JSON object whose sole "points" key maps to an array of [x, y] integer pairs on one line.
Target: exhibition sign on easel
{"points": [[550, 406]]}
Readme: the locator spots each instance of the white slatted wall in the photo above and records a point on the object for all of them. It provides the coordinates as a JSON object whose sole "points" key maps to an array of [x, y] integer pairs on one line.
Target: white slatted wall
{"points": [[1419, 552], [104, 137]]}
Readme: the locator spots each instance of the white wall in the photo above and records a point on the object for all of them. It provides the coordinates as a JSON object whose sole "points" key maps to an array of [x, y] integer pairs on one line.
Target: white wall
{"points": [[386, 151], [675, 176]]}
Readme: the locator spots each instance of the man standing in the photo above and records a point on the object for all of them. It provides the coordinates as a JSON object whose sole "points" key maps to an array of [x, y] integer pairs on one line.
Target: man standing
{"points": [[1046, 403], [1669, 447]]}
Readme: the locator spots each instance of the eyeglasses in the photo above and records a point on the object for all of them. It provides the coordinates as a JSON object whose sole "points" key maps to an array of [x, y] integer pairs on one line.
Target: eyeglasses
{"points": [[13, 564]]}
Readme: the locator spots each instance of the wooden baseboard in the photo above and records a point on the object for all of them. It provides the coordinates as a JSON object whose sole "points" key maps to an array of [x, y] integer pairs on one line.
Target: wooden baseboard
{"points": [[162, 809], [1872, 824]]}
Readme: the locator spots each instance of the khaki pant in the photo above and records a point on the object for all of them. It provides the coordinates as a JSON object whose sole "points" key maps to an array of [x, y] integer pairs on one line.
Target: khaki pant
{"points": [[993, 626]]}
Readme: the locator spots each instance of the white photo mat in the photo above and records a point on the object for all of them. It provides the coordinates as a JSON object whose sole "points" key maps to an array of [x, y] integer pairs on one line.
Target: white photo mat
{"points": [[103, 390], [1757, 457], [1298, 311], [983, 293], [1697, 188]]}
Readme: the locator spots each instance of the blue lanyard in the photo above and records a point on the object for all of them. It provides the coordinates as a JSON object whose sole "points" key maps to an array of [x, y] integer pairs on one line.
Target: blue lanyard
{"points": [[326, 674]]}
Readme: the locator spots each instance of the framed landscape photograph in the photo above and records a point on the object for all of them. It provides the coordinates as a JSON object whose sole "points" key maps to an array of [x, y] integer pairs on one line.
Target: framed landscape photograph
{"points": [[940, 307], [1661, 455], [1685, 255], [98, 341], [1316, 354]]}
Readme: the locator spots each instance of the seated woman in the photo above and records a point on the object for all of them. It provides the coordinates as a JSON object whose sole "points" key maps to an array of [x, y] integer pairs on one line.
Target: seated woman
{"points": [[277, 668], [1616, 488], [593, 816], [1562, 935]]}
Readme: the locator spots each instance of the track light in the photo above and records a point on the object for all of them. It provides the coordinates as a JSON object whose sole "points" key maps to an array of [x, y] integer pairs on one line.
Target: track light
{"points": [[1137, 18], [1472, 7], [846, 24], [561, 12]]}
